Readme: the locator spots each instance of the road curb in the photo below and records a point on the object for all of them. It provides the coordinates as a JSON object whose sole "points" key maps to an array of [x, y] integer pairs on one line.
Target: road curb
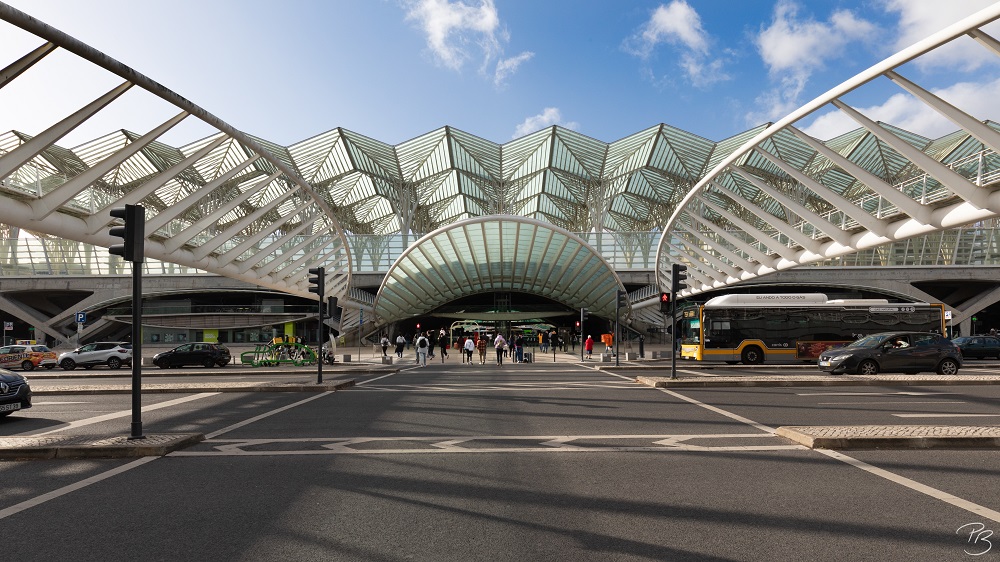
{"points": [[720, 382], [78, 447], [190, 388], [893, 437]]}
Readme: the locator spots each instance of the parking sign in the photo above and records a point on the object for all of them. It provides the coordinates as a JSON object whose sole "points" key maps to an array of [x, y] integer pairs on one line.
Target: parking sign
{"points": [[81, 317]]}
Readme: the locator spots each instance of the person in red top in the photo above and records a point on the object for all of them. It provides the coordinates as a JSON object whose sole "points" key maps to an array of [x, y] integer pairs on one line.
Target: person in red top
{"points": [[589, 345]]}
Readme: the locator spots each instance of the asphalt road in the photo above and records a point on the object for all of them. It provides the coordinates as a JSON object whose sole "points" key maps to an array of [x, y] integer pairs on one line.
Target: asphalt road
{"points": [[523, 462]]}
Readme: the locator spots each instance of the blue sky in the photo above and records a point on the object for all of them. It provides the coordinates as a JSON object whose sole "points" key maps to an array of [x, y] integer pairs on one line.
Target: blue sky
{"points": [[396, 69]]}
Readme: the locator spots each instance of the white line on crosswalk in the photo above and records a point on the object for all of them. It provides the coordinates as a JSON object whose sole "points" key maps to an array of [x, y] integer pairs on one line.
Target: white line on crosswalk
{"points": [[946, 415]]}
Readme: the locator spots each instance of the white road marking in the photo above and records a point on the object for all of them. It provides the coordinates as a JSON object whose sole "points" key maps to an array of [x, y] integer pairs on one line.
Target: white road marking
{"points": [[946, 415], [55, 402], [914, 485], [17, 508], [892, 477], [121, 414], [441, 445], [265, 415]]}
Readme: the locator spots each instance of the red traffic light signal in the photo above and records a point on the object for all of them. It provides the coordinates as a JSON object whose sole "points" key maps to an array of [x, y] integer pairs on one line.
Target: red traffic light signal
{"points": [[577, 323], [664, 302], [418, 326]]}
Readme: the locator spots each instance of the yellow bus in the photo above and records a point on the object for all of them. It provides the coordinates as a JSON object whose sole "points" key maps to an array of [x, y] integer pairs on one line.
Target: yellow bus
{"points": [[792, 327]]}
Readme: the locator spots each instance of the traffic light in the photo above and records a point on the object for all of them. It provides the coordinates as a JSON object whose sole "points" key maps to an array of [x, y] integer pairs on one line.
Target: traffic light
{"points": [[584, 314], [318, 283], [577, 323], [677, 278], [622, 301], [133, 233], [331, 306], [665, 303]]}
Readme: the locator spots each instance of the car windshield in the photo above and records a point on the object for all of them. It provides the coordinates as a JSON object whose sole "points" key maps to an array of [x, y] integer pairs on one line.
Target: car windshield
{"points": [[869, 341], [961, 340]]}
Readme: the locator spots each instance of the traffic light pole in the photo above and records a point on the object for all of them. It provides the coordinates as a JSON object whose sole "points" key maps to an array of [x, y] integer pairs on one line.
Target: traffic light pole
{"points": [[136, 351], [673, 337]]}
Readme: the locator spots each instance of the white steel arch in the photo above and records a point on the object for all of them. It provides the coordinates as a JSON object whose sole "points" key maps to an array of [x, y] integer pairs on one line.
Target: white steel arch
{"points": [[229, 204], [785, 199]]}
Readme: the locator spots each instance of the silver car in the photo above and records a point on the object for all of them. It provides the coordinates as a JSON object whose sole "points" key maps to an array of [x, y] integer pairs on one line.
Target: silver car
{"points": [[113, 354]]}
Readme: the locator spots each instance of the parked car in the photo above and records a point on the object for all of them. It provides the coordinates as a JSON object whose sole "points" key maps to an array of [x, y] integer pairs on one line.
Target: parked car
{"points": [[895, 352], [976, 347], [15, 393], [27, 357], [114, 354], [206, 354]]}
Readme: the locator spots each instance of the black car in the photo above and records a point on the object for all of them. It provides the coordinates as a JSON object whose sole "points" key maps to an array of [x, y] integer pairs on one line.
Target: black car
{"points": [[198, 353], [894, 352], [15, 394], [976, 347]]}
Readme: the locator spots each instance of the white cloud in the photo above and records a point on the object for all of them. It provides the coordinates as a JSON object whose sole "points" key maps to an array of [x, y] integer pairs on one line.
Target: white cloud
{"points": [[457, 31], [548, 117], [793, 49], [919, 19], [906, 112], [507, 67], [678, 24]]}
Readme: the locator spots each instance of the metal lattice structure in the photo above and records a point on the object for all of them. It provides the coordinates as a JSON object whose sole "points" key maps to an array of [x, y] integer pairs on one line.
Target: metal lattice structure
{"points": [[229, 204], [784, 199], [767, 199]]}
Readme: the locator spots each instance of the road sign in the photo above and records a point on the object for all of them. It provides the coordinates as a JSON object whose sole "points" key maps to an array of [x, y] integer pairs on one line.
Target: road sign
{"points": [[361, 319], [81, 317], [8, 326]]}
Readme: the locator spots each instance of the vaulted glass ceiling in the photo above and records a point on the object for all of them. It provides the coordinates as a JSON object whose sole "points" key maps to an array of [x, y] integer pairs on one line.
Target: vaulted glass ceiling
{"points": [[497, 254]]}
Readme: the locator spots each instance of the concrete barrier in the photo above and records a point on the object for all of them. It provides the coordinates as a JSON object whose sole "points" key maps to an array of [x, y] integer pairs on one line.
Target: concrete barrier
{"points": [[347, 358], [387, 360]]}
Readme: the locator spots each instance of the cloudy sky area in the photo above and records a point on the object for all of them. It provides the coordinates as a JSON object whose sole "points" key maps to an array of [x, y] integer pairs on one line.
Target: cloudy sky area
{"points": [[396, 69]]}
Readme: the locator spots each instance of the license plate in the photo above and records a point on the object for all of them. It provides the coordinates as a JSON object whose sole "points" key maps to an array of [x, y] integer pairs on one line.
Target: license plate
{"points": [[824, 363], [10, 407]]}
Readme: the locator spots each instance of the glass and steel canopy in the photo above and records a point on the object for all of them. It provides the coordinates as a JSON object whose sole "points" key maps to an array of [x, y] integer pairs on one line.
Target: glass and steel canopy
{"points": [[497, 254]]}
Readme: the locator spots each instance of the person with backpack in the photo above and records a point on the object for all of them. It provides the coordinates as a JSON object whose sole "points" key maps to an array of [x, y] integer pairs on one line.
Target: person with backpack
{"points": [[501, 346], [400, 344], [422, 346], [470, 346]]}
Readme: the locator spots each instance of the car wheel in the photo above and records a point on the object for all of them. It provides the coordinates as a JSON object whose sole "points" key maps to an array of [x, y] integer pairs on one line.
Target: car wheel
{"points": [[162, 364], [752, 356], [868, 368], [947, 367], [114, 363], [68, 364], [27, 365], [208, 363]]}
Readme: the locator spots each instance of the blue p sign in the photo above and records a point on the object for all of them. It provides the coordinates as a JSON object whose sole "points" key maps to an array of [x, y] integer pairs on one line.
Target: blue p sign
{"points": [[81, 317]]}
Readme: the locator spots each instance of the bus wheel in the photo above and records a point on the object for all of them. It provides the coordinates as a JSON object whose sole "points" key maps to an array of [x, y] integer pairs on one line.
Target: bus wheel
{"points": [[752, 356]]}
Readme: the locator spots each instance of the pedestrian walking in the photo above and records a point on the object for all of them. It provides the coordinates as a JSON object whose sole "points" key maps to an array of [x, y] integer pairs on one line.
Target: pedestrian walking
{"points": [[481, 344], [543, 342], [589, 346], [431, 342], [385, 345], [470, 346], [501, 346], [422, 345], [443, 342], [400, 344], [519, 349]]}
